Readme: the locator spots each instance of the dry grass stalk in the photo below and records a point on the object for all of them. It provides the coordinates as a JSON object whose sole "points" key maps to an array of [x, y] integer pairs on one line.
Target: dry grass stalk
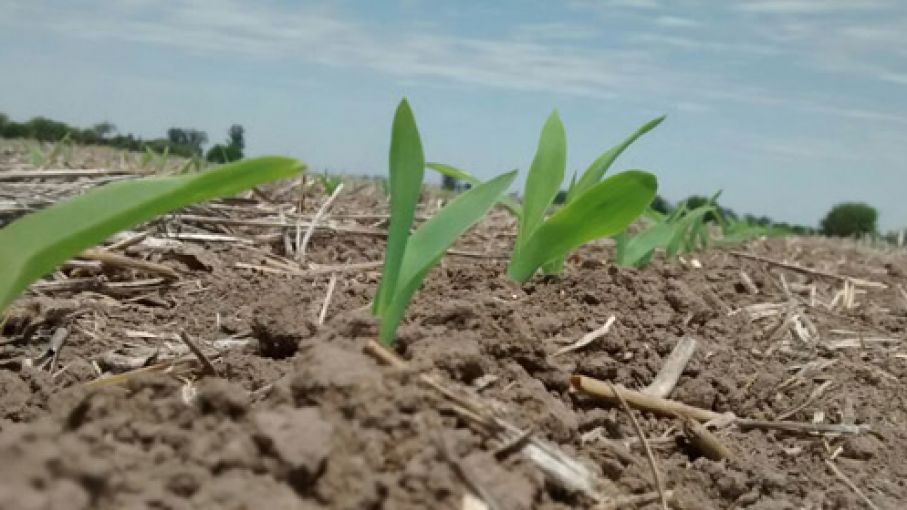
{"points": [[669, 374], [314, 270], [58, 174], [206, 363], [634, 500], [116, 260], [805, 270], [656, 474], [587, 339], [301, 247], [748, 283], [471, 502], [903, 294], [477, 255], [126, 242], [860, 342], [813, 396], [327, 299], [665, 407], [207, 238], [640, 400], [847, 481], [704, 441]]}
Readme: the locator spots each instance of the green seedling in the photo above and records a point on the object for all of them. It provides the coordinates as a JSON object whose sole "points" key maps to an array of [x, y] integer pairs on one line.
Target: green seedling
{"points": [[409, 258], [35, 244], [462, 175], [192, 165], [37, 156], [682, 231], [63, 145], [41, 159], [594, 208], [148, 157], [329, 182]]}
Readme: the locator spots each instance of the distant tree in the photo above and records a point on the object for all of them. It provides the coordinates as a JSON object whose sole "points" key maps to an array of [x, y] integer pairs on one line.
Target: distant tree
{"points": [[4, 120], [232, 150], [221, 153], [103, 129], [850, 219], [727, 213], [186, 142], [46, 130], [236, 137], [177, 136], [660, 204], [196, 139], [695, 201]]}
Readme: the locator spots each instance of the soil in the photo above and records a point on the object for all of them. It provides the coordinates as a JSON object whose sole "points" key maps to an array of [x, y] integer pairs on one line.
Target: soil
{"points": [[300, 416]]}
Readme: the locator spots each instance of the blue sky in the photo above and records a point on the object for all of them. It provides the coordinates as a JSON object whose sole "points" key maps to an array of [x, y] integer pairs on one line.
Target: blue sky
{"points": [[788, 106]]}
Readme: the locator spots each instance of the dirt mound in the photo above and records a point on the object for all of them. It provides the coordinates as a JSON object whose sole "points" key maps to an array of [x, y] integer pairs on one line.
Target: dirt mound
{"points": [[298, 415]]}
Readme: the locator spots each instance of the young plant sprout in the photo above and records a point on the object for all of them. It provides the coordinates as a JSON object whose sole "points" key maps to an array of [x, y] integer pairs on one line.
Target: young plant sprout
{"points": [[594, 208], [329, 182], [409, 258], [35, 244]]}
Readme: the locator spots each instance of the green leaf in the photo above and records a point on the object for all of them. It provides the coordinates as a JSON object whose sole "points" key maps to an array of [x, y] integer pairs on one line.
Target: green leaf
{"points": [[465, 176], [406, 168], [597, 169], [545, 177], [456, 173], [428, 244], [605, 209], [637, 250], [35, 244]]}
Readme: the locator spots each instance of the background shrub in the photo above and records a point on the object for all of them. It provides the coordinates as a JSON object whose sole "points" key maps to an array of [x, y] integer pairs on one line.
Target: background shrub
{"points": [[850, 219]]}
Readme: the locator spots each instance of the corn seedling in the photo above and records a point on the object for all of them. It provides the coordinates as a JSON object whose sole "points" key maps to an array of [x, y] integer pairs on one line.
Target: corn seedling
{"points": [[35, 244], [595, 208], [194, 164], [329, 182], [41, 159], [151, 157], [543, 185], [37, 156], [682, 231], [462, 175], [409, 258]]}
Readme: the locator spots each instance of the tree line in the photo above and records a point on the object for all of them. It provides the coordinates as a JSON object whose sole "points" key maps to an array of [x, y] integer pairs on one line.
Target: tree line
{"points": [[185, 142]]}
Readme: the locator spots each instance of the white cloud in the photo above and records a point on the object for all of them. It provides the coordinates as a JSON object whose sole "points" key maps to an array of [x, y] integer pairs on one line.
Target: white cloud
{"points": [[676, 22], [807, 6], [899, 78], [553, 56], [555, 31]]}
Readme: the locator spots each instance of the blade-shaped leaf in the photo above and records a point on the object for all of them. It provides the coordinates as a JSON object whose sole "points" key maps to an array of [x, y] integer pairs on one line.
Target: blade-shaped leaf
{"points": [[428, 244], [680, 241], [35, 244], [465, 176], [406, 168], [605, 209], [597, 169], [638, 249], [456, 173], [545, 176]]}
